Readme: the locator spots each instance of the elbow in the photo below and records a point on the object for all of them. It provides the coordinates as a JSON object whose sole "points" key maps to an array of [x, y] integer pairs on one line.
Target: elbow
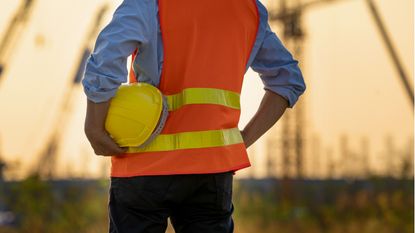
{"points": [[300, 88], [291, 93], [296, 91], [289, 88]]}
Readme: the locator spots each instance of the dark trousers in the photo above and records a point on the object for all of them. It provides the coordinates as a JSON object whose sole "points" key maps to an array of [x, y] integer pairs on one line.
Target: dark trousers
{"points": [[195, 203]]}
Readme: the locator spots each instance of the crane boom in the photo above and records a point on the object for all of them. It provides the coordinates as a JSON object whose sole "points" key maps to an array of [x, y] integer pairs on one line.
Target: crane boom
{"points": [[281, 15], [391, 50], [13, 32], [47, 161]]}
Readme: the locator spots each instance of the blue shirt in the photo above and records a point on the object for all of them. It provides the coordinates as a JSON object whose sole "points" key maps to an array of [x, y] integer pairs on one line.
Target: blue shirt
{"points": [[135, 25]]}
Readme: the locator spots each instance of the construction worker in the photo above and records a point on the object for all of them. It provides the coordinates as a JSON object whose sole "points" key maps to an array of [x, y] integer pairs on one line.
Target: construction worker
{"points": [[196, 53]]}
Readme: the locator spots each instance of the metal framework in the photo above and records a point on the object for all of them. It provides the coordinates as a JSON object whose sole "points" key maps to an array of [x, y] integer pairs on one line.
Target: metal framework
{"points": [[289, 15]]}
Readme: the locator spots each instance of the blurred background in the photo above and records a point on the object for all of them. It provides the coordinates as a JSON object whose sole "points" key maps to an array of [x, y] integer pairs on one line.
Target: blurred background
{"points": [[340, 161]]}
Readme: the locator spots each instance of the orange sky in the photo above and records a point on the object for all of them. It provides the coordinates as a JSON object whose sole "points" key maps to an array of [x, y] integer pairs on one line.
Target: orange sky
{"points": [[353, 88]]}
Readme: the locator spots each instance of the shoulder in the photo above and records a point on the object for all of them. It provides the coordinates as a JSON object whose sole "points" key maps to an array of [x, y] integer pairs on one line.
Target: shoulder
{"points": [[262, 10]]}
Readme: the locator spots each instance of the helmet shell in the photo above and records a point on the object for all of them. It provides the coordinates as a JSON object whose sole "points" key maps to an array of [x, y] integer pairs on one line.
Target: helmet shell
{"points": [[134, 113]]}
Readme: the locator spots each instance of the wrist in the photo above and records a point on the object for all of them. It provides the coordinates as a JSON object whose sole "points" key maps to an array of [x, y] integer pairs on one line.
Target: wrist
{"points": [[91, 131], [245, 138]]}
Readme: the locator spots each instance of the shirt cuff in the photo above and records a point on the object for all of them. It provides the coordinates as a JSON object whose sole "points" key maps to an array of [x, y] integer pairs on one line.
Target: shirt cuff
{"points": [[99, 88], [287, 93]]}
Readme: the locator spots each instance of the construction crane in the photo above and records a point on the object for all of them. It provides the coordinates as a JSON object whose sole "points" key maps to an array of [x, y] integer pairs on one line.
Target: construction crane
{"points": [[46, 163], [13, 33], [293, 125]]}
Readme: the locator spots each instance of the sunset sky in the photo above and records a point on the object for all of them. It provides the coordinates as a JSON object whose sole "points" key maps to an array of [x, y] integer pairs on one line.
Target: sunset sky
{"points": [[353, 88]]}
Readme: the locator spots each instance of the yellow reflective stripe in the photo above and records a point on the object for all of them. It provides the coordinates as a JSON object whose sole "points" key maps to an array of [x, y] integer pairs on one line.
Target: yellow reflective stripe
{"points": [[203, 96], [191, 140]]}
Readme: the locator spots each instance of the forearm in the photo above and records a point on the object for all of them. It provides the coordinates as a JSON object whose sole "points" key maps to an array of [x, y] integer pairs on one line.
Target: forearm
{"points": [[272, 107], [96, 114]]}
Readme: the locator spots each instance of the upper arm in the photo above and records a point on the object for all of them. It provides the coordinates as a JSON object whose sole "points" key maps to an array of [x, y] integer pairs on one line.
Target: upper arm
{"points": [[106, 67]]}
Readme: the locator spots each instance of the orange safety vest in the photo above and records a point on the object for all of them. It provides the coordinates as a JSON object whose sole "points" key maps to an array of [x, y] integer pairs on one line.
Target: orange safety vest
{"points": [[207, 44]]}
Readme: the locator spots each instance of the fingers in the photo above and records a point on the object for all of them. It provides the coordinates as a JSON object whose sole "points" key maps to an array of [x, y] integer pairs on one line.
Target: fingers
{"points": [[108, 147], [103, 144]]}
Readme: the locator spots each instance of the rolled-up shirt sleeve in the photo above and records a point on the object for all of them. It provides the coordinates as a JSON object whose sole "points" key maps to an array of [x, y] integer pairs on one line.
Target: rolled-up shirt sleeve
{"points": [[106, 68], [278, 69]]}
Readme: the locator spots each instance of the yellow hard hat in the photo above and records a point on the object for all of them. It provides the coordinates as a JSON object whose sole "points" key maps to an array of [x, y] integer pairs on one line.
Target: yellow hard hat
{"points": [[136, 114]]}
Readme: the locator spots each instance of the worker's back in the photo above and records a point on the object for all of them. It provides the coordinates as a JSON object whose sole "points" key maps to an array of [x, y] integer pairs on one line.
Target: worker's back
{"points": [[206, 46]]}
